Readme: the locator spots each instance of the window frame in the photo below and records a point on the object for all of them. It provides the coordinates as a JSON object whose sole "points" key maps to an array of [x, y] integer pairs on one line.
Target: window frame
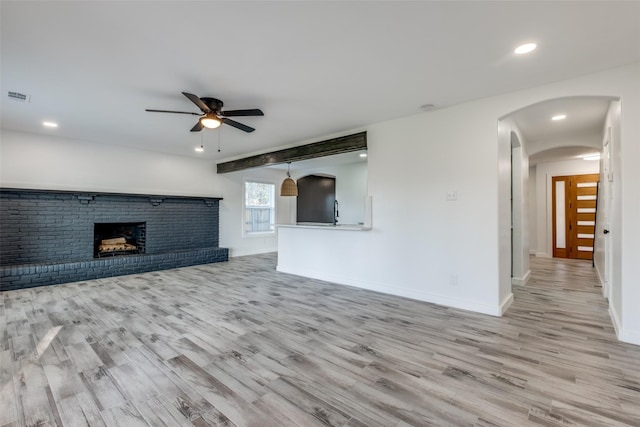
{"points": [[251, 234]]}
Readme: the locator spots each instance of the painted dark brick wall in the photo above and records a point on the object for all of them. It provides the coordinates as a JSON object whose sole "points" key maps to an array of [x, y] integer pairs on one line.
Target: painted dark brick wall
{"points": [[49, 227]]}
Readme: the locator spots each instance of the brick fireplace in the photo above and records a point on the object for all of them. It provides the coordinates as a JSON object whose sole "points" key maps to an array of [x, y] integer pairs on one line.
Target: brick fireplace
{"points": [[51, 237]]}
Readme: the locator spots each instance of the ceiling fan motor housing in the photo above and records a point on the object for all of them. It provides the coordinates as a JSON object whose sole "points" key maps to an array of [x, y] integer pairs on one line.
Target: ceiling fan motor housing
{"points": [[213, 104]]}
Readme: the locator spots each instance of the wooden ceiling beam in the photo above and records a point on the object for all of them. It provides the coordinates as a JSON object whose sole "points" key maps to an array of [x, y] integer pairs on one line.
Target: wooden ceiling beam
{"points": [[343, 144]]}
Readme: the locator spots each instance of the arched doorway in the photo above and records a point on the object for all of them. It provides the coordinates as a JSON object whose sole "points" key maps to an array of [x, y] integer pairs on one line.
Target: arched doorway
{"points": [[540, 147]]}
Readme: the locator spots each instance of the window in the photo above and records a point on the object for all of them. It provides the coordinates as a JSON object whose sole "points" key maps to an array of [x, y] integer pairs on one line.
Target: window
{"points": [[259, 207]]}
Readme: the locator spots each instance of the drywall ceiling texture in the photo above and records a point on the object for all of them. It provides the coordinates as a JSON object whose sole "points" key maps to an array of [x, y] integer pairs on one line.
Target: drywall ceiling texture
{"points": [[314, 68]]}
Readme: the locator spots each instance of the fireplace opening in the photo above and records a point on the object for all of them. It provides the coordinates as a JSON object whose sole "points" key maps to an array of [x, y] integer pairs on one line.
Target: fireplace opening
{"points": [[119, 238]]}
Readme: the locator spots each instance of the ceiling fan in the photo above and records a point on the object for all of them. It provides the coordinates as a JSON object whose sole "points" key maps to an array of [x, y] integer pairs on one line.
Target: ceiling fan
{"points": [[212, 115]]}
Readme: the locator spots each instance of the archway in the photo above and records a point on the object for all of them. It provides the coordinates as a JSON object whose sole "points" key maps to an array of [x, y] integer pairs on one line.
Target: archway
{"points": [[531, 138]]}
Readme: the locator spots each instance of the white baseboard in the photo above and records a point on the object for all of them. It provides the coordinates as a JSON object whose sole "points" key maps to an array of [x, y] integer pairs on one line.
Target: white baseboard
{"points": [[605, 291], [615, 320], [506, 303], [521, 281], [235, 252], [631, 337], [624, 335], [445, 300], [542, 255]]}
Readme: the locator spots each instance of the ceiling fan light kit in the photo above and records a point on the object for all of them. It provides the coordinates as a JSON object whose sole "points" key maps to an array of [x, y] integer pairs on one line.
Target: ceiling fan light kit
{"points": [[213, 115], [210, 121]]}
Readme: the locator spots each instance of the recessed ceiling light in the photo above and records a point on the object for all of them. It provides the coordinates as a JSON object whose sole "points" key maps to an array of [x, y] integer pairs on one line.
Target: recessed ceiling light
{"points": [[50, 124], [525, 48], [559, 117], [200, 149], [427, 107], [363, 154]]}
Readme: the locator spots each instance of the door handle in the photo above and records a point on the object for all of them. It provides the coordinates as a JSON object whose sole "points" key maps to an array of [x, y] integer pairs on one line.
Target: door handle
{"points": [[605, 231]]}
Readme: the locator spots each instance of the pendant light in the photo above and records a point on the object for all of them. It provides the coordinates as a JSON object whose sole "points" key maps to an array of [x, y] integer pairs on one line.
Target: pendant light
{"points": [[289, 187]]}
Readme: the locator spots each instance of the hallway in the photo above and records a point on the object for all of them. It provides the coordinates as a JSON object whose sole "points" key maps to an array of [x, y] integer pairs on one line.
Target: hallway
{"points": [[565, 329]]}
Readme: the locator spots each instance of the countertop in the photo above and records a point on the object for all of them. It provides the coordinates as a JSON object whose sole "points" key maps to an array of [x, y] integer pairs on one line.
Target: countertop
{"points": [[319, 226]]}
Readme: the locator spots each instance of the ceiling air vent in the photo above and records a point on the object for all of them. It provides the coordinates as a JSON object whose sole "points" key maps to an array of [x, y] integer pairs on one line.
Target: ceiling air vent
{"points": [[17, 96]]}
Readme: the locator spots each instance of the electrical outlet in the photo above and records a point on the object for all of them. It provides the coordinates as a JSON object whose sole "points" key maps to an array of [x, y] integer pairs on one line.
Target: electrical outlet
{"points": [[452, 196]]}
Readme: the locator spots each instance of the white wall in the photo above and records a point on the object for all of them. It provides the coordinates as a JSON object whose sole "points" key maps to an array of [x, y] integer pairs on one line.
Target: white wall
{"points": [[419, 240], [611, 185], [53, 163], [602, 255], [519, 205], [544, 173], [232, 208], [520, 208], [533, 202], [421, 245]]}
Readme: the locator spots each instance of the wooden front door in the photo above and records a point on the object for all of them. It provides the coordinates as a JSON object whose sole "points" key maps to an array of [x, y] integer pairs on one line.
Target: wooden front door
{"points": [[574, 215]]}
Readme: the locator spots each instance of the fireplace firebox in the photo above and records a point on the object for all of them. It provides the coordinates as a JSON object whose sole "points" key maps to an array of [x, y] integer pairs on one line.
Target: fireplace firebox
{"points": [[120, 238]]}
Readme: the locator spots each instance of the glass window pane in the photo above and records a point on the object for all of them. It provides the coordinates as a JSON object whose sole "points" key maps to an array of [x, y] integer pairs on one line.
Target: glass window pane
{"points": [[560, 225], [259, 199]]}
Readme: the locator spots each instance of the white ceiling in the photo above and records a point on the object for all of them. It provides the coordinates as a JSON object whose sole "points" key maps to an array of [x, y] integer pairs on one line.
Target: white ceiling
{"points": [[561, 154], [570, 138], [314, 68], [584, 116]]}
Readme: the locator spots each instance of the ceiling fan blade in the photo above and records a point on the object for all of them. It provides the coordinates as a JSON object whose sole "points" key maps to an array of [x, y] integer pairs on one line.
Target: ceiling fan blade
{"points": [[198, 127], [238, 113], [170, 111], [237, 125], [201, 105]]}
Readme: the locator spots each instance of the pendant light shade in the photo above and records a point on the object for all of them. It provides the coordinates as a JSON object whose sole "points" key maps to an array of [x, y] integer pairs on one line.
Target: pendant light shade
{"points": [[289, 187]]}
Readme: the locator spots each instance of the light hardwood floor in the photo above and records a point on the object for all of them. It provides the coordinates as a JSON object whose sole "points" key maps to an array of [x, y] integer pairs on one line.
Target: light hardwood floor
{"points": [[239, 344]]}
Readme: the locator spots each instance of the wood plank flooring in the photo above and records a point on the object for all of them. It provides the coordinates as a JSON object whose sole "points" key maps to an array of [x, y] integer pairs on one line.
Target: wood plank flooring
{"points": [[239, 344]]}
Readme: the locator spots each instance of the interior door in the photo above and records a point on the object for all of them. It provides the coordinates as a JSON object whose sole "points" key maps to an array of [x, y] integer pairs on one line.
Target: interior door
{"points": [[574, 215]]}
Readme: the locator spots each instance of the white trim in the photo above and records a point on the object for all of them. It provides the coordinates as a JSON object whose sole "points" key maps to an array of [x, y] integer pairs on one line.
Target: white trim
{"points": [[602, 283], [521, 281], [615, 320], [459, 303], [236, 253], [506, 303], [631, 337], [624, 335]]}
